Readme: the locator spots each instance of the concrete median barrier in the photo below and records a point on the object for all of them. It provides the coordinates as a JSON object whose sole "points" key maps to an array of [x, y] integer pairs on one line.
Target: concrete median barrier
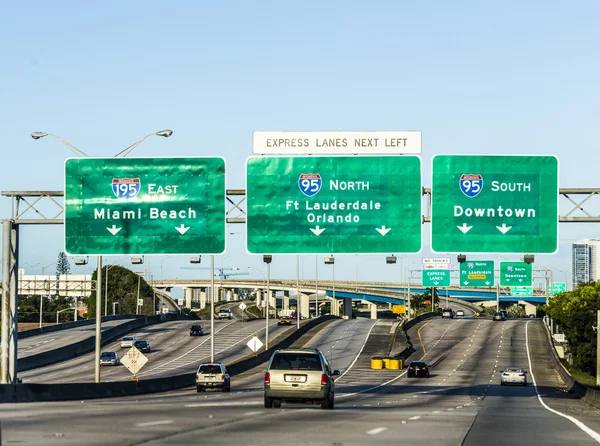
{"points": [[79, 391], [79, 323], [88, 345]]}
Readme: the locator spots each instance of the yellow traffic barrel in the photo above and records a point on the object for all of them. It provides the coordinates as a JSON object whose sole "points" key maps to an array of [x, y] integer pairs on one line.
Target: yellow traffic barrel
{"points": [[377, 363]]}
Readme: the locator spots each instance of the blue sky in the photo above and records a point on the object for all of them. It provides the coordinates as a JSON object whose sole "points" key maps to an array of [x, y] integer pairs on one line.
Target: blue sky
{"points": [[474, 77]]}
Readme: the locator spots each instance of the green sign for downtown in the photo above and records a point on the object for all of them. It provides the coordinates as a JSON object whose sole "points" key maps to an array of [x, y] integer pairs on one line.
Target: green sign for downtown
{"points": [[144, 206], [325, 205], [484, 203]]}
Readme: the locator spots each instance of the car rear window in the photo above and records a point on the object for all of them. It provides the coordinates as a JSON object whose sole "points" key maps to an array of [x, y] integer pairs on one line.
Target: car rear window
{"points": [[126, 338], [210, 369], [296, 361], [513, 370]]}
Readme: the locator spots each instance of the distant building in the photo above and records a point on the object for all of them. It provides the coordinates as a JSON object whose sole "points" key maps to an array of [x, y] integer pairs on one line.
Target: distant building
{"points": [[586, 261]]}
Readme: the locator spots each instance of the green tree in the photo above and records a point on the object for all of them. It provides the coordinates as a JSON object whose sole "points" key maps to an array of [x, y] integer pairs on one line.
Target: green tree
{"points": [[576, 313], [122, 288], [62, 265], [516, 311]]}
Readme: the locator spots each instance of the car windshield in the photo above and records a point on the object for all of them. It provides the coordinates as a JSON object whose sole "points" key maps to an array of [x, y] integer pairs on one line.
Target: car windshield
{"points": [[141, 343], [108, 355], [296, 361], [210, 369]]}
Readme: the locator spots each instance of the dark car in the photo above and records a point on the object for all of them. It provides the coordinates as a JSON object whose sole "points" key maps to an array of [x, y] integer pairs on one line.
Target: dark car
{"points": [[196, 330], [418, 368], [142, 345], [498, 316]]}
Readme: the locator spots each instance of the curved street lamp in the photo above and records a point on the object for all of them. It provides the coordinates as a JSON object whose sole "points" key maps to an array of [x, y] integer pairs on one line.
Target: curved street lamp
{"points": [[76, 151], [127, 150]]}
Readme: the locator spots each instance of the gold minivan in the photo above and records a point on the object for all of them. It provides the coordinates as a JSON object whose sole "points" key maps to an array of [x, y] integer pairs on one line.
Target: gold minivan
{"points": [[299, 375]]}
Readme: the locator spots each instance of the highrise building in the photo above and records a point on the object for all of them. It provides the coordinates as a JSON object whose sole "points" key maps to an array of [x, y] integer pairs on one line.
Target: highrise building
{"points": [[586, 261]]}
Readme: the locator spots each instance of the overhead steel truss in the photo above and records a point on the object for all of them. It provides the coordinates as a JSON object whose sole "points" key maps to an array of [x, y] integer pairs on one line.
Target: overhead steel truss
{"points": [[47, 207]]}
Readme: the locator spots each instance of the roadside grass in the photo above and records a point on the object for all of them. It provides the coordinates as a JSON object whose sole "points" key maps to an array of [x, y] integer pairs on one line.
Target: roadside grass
{"points": [[254, 311], [582, 377]]}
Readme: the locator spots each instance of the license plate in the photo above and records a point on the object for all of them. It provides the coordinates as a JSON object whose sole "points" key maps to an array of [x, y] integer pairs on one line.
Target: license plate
{"points": [[295, 378]]}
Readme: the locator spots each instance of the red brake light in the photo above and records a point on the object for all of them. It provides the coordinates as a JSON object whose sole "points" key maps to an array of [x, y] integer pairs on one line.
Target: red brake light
{"points": [[410, 368], [521, 374], [222, 377], [323, 379], [197, 377], [267, 378], [424, 368]]}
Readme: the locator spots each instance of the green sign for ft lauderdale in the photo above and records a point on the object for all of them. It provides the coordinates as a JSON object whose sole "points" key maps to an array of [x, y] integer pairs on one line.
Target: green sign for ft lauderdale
{"points": [[477, 273], [116, 206], [492, 204], [330, 205]]}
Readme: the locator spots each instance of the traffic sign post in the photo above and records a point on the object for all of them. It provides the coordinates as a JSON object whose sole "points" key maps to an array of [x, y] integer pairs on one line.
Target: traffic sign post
{"points": [[119, 206], [486, 203], [331, 205], [435, 278], [477, 273], [515, 274], [521, 290]]}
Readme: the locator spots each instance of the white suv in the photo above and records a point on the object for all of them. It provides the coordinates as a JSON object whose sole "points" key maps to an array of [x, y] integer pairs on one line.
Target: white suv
{"points": [[212, 376], [127, 341]]}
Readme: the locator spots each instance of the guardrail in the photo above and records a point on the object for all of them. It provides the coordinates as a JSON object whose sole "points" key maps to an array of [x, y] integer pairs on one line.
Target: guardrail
{"points": [[590, 396], [79, 323], [78, 391], [87, 345], [401, 347]]}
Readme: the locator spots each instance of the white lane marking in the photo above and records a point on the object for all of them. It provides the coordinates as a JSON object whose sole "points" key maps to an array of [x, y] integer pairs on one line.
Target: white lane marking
{"points": [[592, 433], [249, 414], [361, 349], [377, 430], [154, 423], [416, 417], [220, 404]]}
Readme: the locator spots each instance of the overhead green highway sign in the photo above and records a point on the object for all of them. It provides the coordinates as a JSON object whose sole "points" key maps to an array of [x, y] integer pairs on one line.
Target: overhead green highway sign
{"points": [[494, 204], [477, 273], [331, 205], [144, 206], [559, 287], [515, 274], [521, 290], [435, 277]]}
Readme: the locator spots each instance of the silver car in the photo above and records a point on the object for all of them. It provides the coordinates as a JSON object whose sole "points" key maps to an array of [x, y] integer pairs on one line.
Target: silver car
{"points": [[513, 375], [299, 375], [109, 358], [127, 341]]}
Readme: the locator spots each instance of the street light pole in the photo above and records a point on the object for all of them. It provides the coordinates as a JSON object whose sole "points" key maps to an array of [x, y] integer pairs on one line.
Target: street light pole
{"points": [[317, 287], [79, 153], [212, 308], [98, 320], [298, 297], [268, 259]]}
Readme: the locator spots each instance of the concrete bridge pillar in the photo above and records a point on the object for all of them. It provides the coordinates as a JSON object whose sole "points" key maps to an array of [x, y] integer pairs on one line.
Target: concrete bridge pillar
{"points": [[188, 294], [529, 308], [335, 307], [229, 295], [259, 298], [203, 299], [347, 308], [303, 305], [236, 296], [373, 311], [273, 300], [286, 302]]}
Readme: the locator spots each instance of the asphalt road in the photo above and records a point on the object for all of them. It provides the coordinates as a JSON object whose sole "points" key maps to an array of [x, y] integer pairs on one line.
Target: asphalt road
{"points": [[49, 341], [461, 403], [173, 352]]}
